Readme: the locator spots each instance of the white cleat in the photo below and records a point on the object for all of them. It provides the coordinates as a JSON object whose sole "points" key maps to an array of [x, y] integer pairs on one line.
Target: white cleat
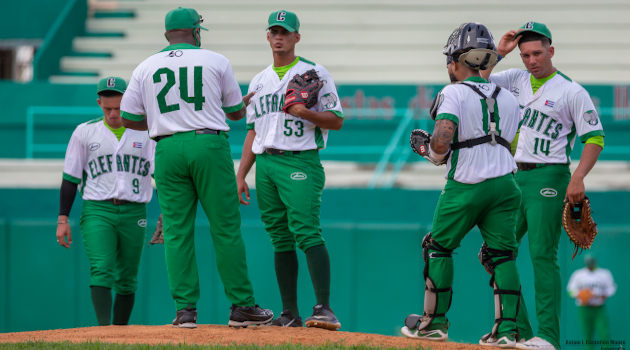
{"points": [[503, 342], [433, 334], [535, 343]]}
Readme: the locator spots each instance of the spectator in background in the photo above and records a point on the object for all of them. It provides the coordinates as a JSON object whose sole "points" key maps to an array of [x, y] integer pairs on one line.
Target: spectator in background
{"points": [[591, 286]]}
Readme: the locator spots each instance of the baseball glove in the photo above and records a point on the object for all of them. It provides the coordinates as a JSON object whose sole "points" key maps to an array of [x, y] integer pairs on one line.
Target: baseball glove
{"points": [[579, 225], [158, 236], [584, 296], [419, 141], [303, 89]]}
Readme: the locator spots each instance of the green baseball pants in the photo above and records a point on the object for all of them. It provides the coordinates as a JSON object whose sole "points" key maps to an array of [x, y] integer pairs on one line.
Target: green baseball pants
{"points": [[114, 238], [540, 216], [289, 192], [592, 319], [191, 168], [490, 205]]}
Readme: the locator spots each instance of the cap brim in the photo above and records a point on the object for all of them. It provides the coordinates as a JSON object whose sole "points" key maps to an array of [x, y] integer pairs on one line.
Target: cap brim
{"points": [[111, 89], [204, 28], [285, 26]]}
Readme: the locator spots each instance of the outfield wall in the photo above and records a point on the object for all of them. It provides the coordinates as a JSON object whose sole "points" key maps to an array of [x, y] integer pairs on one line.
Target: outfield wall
{"points": [[374, 242]]}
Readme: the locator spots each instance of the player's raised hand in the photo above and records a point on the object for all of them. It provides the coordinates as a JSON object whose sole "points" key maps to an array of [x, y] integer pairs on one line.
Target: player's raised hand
{"points": [[248, 97], [63, 231], [508, 43], [242, 188]]}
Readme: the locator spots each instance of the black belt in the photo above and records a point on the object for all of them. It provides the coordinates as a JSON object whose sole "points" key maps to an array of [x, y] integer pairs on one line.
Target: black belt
{"points": [[200, 131], [530, 166], [280, 152], [117, 201]]}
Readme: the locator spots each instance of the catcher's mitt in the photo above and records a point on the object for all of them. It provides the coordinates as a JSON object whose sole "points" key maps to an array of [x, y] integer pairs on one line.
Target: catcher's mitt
{"points": [[579, 225], [584, 296], [303, 89], [158, 236], [419, 141]]}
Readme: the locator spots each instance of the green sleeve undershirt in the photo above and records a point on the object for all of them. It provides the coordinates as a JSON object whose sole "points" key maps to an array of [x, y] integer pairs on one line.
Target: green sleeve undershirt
{"points": [[537, 83], [118, 132], [597, 140], [281, 71]]}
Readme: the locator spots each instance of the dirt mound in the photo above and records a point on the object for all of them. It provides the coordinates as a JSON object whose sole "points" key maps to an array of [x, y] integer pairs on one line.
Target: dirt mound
{"points": [[211, 334]]}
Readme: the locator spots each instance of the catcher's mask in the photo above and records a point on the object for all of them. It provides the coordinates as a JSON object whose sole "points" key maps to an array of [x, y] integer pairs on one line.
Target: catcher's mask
{"points": [[473, 46]]}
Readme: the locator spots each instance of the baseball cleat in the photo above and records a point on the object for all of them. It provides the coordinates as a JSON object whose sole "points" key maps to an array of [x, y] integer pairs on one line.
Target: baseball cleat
{"points": [[501, 341], [243, 316], [323, 317], [186, 318], [287, 319], [435, 332], [535, 343]]}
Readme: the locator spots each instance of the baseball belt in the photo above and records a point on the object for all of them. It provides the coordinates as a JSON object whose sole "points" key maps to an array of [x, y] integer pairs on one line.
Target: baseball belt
{"points": [[530, 166], [198, 132], [281, 152], [117, 201]]}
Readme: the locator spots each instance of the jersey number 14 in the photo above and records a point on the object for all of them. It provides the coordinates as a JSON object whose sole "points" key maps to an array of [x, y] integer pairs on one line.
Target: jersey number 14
{"points": [[197, 97]]}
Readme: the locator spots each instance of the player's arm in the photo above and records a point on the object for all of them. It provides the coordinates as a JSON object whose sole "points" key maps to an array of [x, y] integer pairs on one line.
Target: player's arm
{"points": [[325, 120], [590, 154], [72, 170], [507, 44], [140, 125], [248, 158], [442, 137]]}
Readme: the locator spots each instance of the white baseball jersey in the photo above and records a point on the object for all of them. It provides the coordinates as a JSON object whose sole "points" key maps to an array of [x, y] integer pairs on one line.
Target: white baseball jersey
{"points": [[599, 281], [182, 88], [276, 129], [106, 168], [551, 118], [468, 110]]}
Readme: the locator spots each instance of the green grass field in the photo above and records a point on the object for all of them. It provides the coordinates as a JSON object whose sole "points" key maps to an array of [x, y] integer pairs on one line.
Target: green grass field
{"points": [[40, 345]]}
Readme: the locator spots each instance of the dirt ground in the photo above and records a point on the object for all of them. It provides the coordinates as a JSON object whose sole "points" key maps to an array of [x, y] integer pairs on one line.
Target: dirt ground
{"points": [[211, 334]]}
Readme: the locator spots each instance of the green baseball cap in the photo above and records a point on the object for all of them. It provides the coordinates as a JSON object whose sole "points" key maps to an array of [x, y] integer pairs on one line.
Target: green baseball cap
{"points": [[112, 84], [182, 18], [285, 19], [534, 27]]}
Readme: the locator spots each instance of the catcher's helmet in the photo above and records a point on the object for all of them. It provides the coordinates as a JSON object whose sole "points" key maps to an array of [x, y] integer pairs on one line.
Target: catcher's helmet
{"points": [[472, 45]]}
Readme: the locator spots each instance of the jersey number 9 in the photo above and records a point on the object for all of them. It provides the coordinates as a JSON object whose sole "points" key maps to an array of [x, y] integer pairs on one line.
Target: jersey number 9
{"points": [[136, 186], [198, 99]]}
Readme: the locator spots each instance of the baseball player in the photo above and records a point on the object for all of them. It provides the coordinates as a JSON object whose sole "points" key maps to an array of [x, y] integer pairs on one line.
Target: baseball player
{"points": [[112, 166], [182, 95], [284, 138], [555, 111], [475, 121], [591, 286]]}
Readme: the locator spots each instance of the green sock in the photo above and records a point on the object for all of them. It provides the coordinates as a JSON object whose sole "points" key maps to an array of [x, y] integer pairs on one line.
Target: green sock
{"points": [[122, 308], [102, 301], [287, 274], [319, 267]]}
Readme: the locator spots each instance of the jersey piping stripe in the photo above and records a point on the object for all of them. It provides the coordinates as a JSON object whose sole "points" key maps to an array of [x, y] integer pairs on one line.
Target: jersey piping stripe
{"points": [[306, 61], [84, 182], [319, 139], [71, 178], [593, 133], [448, 116], [454, 156], [337, 113], [233, 109], [132, 117], [250, 126], [569, 139]]}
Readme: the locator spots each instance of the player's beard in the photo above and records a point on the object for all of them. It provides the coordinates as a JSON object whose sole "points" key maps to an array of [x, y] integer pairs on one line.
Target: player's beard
{"points": [[452, 77]]}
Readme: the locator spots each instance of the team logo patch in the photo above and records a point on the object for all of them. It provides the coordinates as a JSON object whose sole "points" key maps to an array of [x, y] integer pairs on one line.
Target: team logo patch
{"points": [[111, 82], [529, 25], [304, 94], [548, 192], [94, 146], [289, 99], [591, 117], [423, 149], [549, 103], [176, 53], [329, 100], [142, 223], [280, 17], [482, 40], [137, 145], [515, 92], [298, 176], [258, 87]]}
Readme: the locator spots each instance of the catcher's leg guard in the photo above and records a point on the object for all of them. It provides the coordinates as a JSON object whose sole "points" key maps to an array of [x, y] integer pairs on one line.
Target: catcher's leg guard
{"points": [[435, 304], [491, 259]]}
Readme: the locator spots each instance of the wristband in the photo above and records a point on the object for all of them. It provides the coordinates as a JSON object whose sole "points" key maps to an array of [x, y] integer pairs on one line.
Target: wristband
{"points": [[61, 222], [500, 57], [436, 156]]}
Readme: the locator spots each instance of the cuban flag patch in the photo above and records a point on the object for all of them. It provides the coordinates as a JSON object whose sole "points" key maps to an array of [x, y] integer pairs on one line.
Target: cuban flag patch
{"points": [[137, 145], [549, 103]]}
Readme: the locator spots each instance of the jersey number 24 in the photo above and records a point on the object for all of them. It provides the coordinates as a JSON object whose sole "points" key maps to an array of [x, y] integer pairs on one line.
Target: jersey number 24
{"points": [[197, 97]]}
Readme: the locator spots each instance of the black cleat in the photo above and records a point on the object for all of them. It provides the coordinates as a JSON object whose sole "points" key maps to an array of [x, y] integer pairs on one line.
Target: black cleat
{"points": [[186, 318], [243, 316], [323, 317], [287, 319]]}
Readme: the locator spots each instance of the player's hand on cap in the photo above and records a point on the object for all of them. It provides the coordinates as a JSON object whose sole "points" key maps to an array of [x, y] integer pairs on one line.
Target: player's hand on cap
{"points": [[508, 42], [247, 98], [63, 231], [242, 188]]}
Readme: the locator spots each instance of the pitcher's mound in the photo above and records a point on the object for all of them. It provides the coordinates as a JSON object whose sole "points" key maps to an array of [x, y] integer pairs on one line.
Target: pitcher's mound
{"points": [[211, 334]]}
